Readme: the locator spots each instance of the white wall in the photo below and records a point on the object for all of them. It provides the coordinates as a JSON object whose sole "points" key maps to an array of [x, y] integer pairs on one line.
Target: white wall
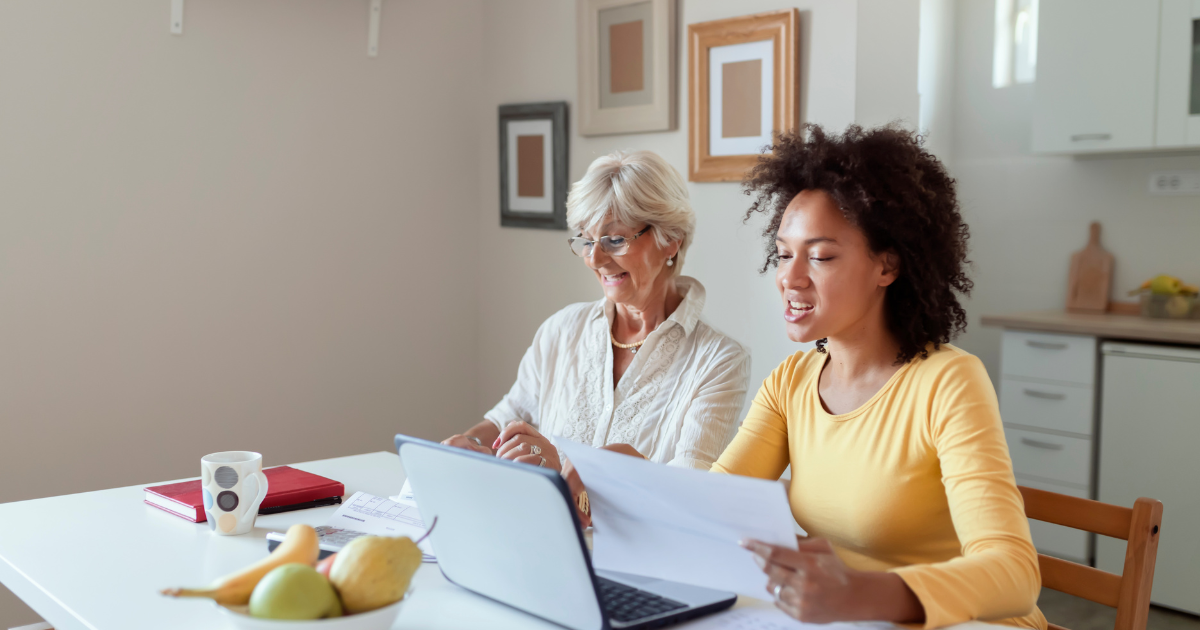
{"points": [[935, 76], [248, 237], [1029, 213], [526, 275]]}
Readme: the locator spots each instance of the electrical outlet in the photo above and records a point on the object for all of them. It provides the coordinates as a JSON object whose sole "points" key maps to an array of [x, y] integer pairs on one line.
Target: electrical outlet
{"points": [[1175, 183]]}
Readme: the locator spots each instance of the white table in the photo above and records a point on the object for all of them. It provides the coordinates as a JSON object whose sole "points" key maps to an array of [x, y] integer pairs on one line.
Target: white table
{"points": [[97, 560]]}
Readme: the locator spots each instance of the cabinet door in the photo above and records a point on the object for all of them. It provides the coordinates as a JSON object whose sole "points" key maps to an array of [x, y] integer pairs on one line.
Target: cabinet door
{"points": [[1096, 67], [1149, 432], [1179, 75]]}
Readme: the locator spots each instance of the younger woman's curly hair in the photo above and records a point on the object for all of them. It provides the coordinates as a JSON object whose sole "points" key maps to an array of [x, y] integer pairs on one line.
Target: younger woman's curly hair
{"points": [[902, 199]]}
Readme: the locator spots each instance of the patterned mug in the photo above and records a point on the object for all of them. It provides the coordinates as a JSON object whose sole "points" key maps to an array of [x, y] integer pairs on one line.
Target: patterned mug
{"points": [[234, 486]]}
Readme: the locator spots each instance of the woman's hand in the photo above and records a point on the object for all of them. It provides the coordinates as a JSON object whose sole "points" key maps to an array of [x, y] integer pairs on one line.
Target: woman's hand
{"points": [[463, 442], [624, 449], [813, 585], [575, 484], [520, 442]]}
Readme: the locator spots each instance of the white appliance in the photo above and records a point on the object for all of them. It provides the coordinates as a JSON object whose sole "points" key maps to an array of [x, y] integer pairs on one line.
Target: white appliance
{"points": [[1150, 446]]}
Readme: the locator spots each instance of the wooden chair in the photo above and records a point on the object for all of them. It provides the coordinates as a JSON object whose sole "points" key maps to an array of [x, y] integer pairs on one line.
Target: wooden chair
{"points": [[1129, 592]]}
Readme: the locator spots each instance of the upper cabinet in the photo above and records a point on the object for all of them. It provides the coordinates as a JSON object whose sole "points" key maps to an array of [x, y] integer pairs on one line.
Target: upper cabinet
{"points": [[1178, 121], [1117, 75]]}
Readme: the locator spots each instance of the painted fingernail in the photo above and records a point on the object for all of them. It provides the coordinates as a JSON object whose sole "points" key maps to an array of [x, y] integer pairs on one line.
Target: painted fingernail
{"points": [[496, 444]]}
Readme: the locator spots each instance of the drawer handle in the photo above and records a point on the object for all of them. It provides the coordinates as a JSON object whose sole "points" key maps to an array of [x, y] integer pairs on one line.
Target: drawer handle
{"points": [[1050, 446], [1045, 345], [1046, 395], [1091, 136]]}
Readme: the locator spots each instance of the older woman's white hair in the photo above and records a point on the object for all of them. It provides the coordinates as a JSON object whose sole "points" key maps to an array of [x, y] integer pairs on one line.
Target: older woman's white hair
{"points": [[634, 187]]}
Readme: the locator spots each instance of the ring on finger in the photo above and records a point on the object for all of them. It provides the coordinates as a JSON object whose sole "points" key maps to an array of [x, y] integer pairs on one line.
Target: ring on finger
{"points": [[777, 590], [542, 464], [534, 449]]}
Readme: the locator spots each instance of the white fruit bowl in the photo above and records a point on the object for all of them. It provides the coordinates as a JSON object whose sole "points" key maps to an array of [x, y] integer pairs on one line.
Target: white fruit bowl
{"points": [[378, 619]]}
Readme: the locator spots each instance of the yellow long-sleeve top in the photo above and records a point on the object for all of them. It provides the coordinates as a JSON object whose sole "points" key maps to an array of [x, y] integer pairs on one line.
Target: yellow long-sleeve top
{"points": [[917, 481]]}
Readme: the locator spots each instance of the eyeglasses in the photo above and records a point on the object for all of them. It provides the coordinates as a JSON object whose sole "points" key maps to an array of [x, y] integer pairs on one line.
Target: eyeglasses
{"points": [[612, 245]]}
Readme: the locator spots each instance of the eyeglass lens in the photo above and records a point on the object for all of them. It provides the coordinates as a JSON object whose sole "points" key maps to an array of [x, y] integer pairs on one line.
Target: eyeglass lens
{"points": [[612, 245]]}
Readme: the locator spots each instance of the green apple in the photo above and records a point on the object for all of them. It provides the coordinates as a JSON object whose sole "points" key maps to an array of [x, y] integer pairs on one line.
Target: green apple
{"points": [[294, 591]]}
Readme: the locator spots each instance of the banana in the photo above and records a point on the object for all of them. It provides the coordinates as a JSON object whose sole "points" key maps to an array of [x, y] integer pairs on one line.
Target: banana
{"points": [[300, 545]]}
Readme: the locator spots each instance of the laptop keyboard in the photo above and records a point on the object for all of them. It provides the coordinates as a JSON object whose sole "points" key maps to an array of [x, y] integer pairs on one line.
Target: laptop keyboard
{"points": [[625, 603]]}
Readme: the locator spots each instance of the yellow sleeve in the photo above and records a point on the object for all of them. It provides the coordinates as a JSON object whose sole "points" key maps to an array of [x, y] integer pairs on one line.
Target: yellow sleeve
{"points": [[760, 448], [997, 575]]}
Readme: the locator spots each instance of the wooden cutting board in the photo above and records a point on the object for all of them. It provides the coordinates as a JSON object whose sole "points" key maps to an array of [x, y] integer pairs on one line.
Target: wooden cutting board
{"points": [[1090, 277]]}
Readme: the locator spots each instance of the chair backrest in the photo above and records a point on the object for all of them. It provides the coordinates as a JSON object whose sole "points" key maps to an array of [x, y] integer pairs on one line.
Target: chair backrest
{"points": [[1129, 592]]}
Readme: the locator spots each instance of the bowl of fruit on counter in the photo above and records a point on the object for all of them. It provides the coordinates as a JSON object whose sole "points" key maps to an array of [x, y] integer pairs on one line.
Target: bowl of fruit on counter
{"points": [[359, 588], [1168, 297]]}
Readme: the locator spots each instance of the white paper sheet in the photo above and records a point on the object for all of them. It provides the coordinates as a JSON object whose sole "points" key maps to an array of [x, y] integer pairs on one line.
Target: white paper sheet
{"points": [[378, 516], [761, 615], [764, 618], [678, 524]]}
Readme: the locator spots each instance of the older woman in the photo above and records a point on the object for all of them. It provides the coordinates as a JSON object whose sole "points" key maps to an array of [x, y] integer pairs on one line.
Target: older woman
{"points": [[638, 371], [900, 469]]}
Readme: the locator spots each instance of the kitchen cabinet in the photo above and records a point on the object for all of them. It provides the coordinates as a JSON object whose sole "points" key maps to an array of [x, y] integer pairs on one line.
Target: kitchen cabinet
{"points": [[1116, 76], [1125, 385], [1149, 436], [1096, 80], [1047, 393], [1178, 121]]}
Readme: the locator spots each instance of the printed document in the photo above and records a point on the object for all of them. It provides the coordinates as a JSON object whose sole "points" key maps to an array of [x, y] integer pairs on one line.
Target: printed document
{"points": [[378, 516], [680, 524]]}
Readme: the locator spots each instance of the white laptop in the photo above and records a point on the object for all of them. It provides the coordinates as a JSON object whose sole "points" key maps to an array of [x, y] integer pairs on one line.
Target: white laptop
{"points": [[509, 532]]}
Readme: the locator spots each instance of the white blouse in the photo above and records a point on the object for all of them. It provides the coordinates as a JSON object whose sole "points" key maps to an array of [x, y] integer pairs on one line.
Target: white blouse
{"points": [[678, 402]]}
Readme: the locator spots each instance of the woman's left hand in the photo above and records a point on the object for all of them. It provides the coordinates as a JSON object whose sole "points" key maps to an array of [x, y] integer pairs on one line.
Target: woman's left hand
{"points": [[813, 585], [520, 441]]}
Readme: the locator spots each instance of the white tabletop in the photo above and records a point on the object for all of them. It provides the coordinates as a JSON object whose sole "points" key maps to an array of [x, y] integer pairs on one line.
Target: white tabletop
{"points": [[97, 560]]}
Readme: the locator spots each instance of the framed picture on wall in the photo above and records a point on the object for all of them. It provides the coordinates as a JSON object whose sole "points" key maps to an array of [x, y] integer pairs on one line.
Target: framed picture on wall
{"points": [[533, 165], [626, 66], [743, 89]]}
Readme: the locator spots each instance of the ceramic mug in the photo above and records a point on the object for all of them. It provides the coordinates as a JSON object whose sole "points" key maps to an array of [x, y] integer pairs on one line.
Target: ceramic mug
{"points": [[234, 486]]}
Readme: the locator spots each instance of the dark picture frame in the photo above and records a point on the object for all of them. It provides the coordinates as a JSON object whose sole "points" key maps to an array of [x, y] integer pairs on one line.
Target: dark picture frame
{"points": [[550, 210]]}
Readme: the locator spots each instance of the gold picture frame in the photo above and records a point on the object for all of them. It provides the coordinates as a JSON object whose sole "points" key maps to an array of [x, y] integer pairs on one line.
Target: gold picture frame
{"points": [[745, 70]]}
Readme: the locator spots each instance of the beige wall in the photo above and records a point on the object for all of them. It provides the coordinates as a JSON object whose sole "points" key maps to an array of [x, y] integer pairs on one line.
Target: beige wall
{"points": [[248, 237], [1029, 213], [526, 275]]}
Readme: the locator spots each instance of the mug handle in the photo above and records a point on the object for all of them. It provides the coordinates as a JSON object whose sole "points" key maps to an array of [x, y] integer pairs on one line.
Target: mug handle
{"points": [[252, 511]]}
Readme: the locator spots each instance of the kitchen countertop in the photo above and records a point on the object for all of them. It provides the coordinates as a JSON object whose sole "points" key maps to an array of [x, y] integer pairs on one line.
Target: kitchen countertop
{"points": [[1108, 325]]}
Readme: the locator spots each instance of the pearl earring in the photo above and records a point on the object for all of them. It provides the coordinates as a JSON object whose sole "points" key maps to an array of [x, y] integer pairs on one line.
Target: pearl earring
{"points": [[670, 262]]}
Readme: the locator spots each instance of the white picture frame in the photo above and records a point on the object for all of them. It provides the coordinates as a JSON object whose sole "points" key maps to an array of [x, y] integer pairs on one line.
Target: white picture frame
{"points": [[653, 111]]}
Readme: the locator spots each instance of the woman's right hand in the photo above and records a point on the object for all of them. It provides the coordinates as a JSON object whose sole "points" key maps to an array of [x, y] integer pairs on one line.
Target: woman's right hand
{"points": [[485, 432], [461, 441], [575, 484]]}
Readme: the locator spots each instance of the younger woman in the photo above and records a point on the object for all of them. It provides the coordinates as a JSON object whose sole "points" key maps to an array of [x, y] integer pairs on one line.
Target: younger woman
{"points": [[900, 471]]}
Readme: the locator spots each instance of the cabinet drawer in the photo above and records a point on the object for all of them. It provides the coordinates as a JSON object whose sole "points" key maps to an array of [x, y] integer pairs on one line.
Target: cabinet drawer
{"points": [[1053, 458], [1046, 406], [1056, 540], [1067, 358]]}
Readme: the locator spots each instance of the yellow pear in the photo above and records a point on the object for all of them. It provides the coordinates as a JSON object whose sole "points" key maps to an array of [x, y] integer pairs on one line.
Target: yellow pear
{"points": [[1165, 285], [374, 571]]}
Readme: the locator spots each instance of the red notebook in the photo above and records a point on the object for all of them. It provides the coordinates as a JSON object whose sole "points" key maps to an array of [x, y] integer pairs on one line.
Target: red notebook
{"points": [[286, 486]]}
